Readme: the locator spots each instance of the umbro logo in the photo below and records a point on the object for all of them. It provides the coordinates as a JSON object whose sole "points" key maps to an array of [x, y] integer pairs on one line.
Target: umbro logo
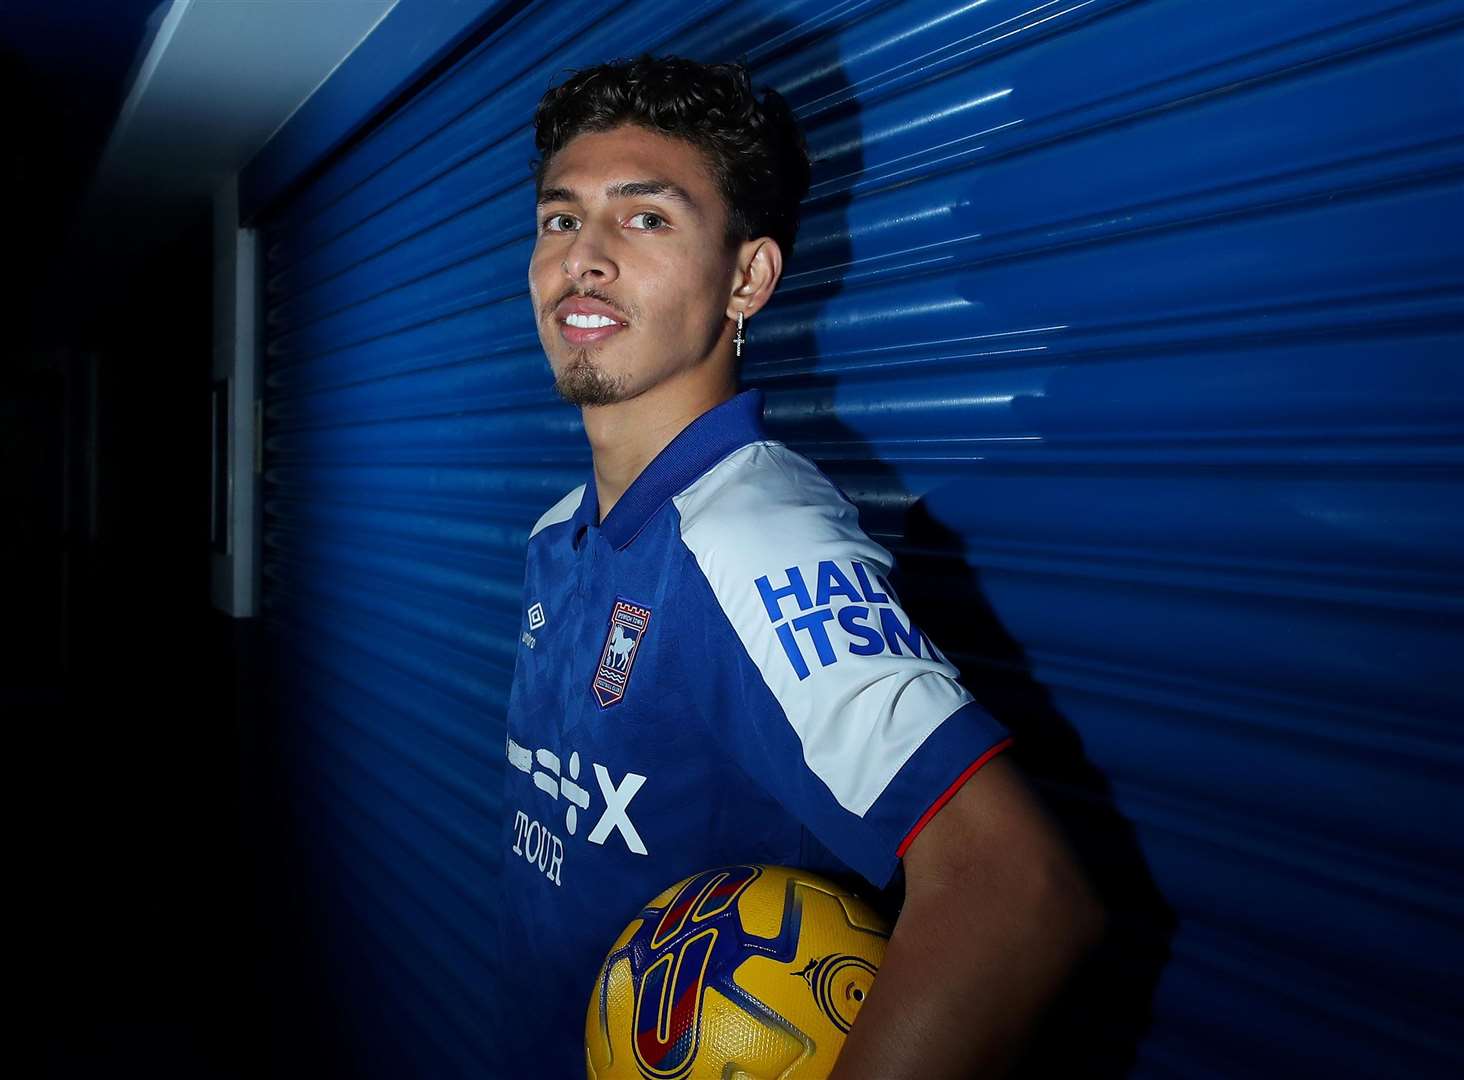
{"points": [[536, 616]]}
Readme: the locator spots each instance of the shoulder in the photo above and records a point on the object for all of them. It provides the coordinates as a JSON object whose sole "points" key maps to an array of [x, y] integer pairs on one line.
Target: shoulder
{"points": [[561, 511], [765, 503]]}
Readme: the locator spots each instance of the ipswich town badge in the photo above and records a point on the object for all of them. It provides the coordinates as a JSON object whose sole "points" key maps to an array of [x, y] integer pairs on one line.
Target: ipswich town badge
{"points": [[627, 626]]}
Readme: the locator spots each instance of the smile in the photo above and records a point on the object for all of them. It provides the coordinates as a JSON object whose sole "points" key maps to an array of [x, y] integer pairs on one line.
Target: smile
{"points": [[579, 328], [589, 322]]}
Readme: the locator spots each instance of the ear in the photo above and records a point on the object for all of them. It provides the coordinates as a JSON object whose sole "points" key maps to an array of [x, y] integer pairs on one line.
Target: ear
{"points": [[758, 270]]}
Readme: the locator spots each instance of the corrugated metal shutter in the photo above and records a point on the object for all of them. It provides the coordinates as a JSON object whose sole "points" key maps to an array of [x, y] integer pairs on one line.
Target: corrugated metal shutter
{"points": [[1133, 327]]}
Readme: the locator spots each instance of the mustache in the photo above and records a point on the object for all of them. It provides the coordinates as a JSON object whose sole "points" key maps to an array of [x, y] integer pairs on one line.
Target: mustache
{"points": [[547, 308]]}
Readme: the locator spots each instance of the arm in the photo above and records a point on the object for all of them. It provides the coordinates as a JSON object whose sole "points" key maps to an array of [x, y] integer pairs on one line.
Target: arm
{"points": [[996, 915]]}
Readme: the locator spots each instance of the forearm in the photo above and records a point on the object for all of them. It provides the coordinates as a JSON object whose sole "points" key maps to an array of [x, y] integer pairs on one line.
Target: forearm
{"points": [[966, 977]]}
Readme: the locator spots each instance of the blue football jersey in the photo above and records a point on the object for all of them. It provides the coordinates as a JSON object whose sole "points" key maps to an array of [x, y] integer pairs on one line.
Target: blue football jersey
{"points": [[717, 673]]}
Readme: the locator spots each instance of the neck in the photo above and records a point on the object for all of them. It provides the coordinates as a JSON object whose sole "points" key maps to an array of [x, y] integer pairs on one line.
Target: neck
{"points": [[626, 437]]}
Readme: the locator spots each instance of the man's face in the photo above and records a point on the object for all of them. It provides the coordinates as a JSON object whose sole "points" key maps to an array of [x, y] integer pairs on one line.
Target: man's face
{"points": [[631, 271]]}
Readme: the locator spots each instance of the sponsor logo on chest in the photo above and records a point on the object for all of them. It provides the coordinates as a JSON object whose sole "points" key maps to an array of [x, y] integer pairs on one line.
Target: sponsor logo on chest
{"points": [[558, 778], [628, 624]]}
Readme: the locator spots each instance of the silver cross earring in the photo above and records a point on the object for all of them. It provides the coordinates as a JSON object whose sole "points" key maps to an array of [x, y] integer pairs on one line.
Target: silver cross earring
{"points": [[739, 340]]}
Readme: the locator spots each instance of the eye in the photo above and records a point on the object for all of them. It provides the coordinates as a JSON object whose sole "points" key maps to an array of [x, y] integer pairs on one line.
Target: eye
{"points": [[649, 221], [560, 223]]}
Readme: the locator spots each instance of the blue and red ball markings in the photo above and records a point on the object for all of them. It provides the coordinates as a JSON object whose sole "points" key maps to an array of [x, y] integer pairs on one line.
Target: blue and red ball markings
{"points": [[696, 940]]}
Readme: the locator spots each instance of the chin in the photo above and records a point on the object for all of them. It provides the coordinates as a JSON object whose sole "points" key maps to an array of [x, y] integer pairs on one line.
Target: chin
{"points": [[581, 382]]}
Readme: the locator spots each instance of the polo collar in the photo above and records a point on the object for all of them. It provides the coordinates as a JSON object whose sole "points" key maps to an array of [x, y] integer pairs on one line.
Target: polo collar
{"points": [[700, 445]]}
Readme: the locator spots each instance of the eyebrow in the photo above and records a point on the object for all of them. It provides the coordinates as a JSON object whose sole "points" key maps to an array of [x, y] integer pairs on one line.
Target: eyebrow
{"points": [[628, 189]]}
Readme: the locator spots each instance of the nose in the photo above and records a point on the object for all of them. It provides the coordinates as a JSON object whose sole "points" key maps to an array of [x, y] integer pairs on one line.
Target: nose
{"points": [[587, 261]]}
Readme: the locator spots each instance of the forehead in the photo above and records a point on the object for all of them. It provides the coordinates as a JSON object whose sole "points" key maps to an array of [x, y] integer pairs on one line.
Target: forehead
{"points": [[591, 162]]}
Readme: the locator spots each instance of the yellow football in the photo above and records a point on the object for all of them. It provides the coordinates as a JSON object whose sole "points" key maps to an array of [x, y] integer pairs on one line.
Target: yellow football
{"points": [[746, 972]]}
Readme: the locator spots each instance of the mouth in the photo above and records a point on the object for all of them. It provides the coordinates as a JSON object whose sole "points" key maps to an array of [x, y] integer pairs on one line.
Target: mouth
{"points": [[583, 321], [588, 329]]}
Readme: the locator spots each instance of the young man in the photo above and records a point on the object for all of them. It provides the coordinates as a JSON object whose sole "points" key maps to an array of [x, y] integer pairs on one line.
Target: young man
{"points": [[712, 667]]}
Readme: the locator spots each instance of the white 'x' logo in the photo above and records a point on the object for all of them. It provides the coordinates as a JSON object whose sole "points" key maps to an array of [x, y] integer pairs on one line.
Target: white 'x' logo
{"points": [[616, 800]]}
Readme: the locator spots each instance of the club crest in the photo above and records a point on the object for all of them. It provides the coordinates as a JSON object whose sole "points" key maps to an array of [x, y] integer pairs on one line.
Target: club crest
{"points": [[628, 624]]}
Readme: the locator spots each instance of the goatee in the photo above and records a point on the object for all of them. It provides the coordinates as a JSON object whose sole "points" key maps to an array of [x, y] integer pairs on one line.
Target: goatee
{"points": [[582, 383]]}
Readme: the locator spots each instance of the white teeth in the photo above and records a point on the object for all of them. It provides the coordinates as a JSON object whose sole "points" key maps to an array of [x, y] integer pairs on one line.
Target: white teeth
{"points": [[588, 322]]}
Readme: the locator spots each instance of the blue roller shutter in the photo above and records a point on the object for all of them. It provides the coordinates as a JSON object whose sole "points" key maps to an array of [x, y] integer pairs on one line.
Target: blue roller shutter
{"points": [[1133, 328]]}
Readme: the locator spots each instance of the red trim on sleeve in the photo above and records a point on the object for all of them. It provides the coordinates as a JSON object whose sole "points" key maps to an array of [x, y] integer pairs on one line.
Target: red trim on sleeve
{"points": [[947, 795]]}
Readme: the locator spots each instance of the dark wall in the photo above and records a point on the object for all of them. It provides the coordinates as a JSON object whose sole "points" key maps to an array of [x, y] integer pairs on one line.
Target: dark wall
{"points": [[128, 687]]}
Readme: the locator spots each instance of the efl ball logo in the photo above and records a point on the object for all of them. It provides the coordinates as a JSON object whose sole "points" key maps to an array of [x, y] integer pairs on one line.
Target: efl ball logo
{"points": [[628, 624]]}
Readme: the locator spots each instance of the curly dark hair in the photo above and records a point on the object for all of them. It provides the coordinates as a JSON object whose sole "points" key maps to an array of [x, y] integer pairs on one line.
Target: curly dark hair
{"points": [[754, 148]]}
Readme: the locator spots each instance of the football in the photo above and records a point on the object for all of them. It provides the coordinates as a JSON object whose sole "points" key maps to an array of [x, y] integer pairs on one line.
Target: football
{"points": [[743, 971]]}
